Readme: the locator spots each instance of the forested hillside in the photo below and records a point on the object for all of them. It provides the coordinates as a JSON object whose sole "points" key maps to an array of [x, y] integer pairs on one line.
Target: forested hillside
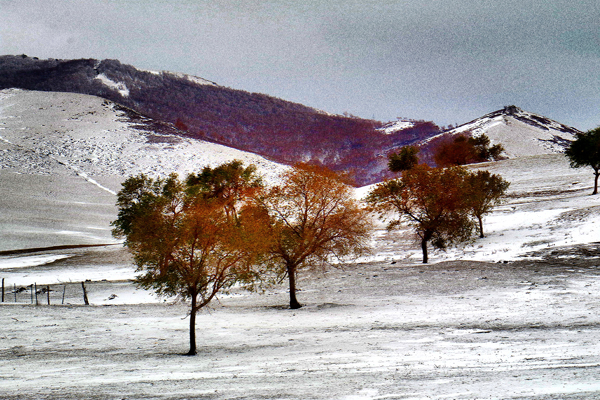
{"points": [[284, 131]]}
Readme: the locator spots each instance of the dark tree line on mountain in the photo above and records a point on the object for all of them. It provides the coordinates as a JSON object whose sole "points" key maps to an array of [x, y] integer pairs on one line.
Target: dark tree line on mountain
{"points": [[221, 227], [283, 131], [584, 151], [463, 150]]}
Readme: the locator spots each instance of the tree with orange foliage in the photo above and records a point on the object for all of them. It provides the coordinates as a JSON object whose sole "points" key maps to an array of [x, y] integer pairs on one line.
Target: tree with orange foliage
{"points": [[484, 192], [189, 240], [431, 200], [313, 219]]}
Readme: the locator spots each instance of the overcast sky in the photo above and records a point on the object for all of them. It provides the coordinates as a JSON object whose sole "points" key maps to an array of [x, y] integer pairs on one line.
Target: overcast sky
{"points": [[448, 61]]}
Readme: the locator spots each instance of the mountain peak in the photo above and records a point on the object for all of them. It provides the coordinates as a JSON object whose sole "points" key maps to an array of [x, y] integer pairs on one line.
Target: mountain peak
{"points": [[522, 133], [512, 110]]}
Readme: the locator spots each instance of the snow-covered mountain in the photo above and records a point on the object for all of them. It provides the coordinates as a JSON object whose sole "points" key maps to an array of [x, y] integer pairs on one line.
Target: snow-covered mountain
{"points": [[284, 131], [520, 132]]}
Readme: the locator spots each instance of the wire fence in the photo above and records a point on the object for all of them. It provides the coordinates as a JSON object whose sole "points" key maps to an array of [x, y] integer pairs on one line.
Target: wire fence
{"points": [[44, 294]]}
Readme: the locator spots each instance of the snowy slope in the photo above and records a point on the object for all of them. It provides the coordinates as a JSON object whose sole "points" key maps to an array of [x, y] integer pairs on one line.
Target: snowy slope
{"points": [[548, 206], [284, 131], [92, 137], [396, 126], [468, 325], [387, 328], [63, 157], [522, 133]]}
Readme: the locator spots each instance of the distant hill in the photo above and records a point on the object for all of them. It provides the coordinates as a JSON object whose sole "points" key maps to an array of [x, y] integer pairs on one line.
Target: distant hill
{"points": [[69, 134], [520, 132], [283, 131]]}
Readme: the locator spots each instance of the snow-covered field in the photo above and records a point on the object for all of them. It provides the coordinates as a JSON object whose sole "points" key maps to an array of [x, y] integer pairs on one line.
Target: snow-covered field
{"points": [[85, 136], [63, 157], [511, 316]]}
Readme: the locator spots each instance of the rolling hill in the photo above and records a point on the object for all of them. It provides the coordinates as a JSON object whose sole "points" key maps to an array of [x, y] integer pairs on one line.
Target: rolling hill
{"points": [[63, 157], [284, 131], [520, 132]]}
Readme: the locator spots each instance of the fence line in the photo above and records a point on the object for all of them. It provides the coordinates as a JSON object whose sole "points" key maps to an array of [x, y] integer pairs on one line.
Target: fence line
{"points": [[34, 292]]}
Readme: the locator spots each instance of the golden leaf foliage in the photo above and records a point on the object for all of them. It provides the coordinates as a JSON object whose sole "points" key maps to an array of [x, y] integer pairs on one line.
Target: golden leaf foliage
{"points": [[188, 241], [436, 202], [313, 218]]}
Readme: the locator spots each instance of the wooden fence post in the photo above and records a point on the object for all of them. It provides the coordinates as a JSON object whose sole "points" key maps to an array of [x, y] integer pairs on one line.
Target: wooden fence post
{"points": [[85, 298], [64, 290], [31, 292], [48, 291], [3, 290], [15, 291]]}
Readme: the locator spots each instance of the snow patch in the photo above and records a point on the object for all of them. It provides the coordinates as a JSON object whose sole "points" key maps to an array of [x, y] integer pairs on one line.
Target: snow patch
{"points": [[396, 126], [119, 86], [30, 261], [194, 79]]}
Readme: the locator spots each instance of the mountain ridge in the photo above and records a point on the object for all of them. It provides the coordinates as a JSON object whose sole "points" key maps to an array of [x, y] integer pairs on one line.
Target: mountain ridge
{"points": [[285, 132]]}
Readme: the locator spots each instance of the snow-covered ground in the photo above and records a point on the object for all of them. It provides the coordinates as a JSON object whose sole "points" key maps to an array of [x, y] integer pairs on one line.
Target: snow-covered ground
{"points": [[72, 134], [63, 157], [511, 316], [452, 330], [548, 205]]}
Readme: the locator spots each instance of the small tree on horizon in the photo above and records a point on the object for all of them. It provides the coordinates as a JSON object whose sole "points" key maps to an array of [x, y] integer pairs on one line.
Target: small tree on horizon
{"points": [[430, 200], [585, 152], [313, 219], [185, 240]]}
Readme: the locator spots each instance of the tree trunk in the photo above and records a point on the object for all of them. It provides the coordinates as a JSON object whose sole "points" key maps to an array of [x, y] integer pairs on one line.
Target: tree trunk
{"points": [[192, 351], [596, 174], [294, 304], [85, 298], [480, 226], [424, 248]]}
